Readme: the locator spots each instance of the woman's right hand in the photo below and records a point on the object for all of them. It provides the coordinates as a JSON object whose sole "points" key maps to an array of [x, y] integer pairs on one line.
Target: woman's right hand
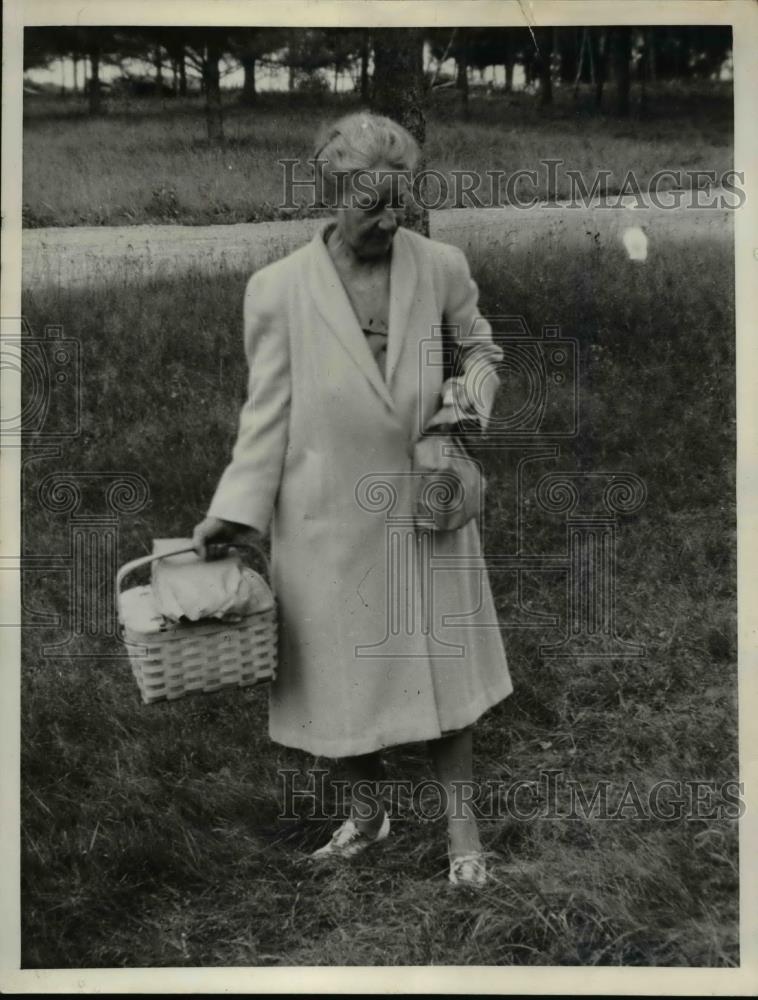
{"points": [[212, 530]]}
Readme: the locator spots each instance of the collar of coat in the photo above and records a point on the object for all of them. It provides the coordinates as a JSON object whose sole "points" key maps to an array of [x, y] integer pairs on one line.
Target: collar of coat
{"points": [[333, 304]]}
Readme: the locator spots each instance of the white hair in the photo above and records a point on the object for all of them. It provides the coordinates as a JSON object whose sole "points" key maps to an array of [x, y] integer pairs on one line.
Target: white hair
{"points": [[365, 141]]}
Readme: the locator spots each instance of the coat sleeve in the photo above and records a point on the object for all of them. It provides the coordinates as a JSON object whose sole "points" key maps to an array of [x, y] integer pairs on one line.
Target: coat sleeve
{"points": [[248, 488], [471, 392]]}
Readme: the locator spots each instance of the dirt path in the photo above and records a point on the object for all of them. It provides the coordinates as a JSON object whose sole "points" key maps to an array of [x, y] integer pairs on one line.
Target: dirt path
{"points": [[79, 256]]}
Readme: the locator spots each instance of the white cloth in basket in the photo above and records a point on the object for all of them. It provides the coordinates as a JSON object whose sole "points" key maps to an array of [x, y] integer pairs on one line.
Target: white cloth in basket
{"points": [[137, 611], [186, 586]]}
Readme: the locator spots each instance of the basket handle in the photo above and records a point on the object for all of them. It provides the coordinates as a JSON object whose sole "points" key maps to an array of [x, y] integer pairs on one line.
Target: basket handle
{"points": [[136, 564]]}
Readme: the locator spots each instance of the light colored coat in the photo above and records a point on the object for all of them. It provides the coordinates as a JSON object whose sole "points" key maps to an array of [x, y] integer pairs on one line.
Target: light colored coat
{"points": [[388, 632]]}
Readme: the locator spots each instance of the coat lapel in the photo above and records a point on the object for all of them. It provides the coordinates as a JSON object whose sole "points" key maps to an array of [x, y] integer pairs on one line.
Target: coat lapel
{"points": [[403, 287], [332, 302]]}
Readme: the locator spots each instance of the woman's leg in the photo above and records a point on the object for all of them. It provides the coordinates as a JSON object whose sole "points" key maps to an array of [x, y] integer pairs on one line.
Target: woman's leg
{"points": [[367, 806], [453, 761]]}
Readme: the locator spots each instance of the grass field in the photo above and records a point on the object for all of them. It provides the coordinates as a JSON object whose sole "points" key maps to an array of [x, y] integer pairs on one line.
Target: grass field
{"points": [[149, 161], [151, 837]]}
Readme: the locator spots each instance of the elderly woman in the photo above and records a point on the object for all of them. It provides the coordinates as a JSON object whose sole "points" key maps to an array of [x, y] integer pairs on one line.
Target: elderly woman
{"points": [[388, 632]]}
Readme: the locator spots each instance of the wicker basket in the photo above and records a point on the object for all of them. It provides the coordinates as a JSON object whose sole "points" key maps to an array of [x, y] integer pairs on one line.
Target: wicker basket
{"points": [[198, 657]]}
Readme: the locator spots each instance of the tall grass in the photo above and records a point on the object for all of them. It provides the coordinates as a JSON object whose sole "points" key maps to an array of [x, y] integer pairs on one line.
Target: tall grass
{"points": [[149, 161], [151, 836]]}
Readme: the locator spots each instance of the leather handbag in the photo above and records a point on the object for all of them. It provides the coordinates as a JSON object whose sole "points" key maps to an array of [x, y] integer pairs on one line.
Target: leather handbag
{"points": [[450, 485]]}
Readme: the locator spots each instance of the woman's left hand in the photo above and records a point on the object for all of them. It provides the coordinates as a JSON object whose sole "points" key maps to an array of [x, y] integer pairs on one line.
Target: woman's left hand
{"points": [[212, 536]]}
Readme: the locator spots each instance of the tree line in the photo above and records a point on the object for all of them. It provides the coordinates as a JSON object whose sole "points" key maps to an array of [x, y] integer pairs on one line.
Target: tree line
{"points": [[386, 65]]}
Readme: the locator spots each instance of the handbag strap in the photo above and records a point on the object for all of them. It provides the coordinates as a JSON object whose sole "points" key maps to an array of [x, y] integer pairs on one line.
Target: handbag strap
{"points": [[450, 367], [449, 354]]}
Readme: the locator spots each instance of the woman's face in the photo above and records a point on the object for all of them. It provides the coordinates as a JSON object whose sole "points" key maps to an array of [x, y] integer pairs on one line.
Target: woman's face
{"points": [[373, 206]]}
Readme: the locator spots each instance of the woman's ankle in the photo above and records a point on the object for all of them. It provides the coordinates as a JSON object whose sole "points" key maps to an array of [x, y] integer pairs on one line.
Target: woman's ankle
{"points": [[368, 821], [463, 836]]}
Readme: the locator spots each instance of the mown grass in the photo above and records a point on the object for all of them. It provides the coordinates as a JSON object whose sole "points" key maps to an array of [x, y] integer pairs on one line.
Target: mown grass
{"points": [[149, 161], [150, 835]]}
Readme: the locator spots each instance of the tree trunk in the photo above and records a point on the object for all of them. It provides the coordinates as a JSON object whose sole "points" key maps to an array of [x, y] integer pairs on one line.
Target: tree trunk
{"points": [[158, 62], [545, 68], [508, 67], [686, 54], [462, 78], [580, 63], [644, 69], [398, 78], [95, 102], [509, 58], [650, 53], [213, 112], [622, 54], [528, 66], [598, 38], [336, 77], [364, 67], [182, 74], [75, 61], [399, 91], [568, 50], [203, 72], [248, 87]]}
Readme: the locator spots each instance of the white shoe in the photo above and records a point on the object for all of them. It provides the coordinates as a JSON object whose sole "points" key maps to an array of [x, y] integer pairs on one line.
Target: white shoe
{"points": [[468, 869], [348, 840]]}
